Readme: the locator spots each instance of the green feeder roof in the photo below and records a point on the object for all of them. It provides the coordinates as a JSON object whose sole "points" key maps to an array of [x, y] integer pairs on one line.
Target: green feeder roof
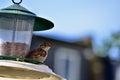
{"points": [[40, 23]]}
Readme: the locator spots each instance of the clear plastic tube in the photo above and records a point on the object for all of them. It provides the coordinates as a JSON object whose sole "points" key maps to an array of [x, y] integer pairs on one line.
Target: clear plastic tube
{"points": [[15, 34]]}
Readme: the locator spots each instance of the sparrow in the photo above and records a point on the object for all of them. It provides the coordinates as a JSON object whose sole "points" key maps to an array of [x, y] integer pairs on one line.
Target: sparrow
{"points": [[41, 53]]}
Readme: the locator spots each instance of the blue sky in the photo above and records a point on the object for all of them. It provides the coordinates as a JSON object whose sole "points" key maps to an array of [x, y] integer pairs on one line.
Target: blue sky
{"points": [[75, 19]]}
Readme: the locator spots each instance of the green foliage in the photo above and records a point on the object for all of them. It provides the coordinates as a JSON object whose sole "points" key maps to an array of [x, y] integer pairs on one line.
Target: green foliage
{"points": [[113, 41]]}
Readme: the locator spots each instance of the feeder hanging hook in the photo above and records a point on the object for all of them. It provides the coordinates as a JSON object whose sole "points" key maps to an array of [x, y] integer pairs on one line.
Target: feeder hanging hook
{"points": [[16, 2]]}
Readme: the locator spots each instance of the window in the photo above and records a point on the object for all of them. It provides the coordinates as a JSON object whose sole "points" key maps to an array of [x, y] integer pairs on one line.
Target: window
{"points": [[67, 63]]}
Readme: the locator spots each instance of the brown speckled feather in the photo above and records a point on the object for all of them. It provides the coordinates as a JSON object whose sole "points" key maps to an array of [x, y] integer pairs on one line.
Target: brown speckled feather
{"points": [[39, 54]]}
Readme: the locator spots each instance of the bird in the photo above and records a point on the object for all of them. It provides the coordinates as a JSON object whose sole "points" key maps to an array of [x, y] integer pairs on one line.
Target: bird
{"points": [[41, 53]]}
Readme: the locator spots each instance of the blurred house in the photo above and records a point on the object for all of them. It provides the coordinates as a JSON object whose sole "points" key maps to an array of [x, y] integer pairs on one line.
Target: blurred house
{"points": [[65, 59], [73, 61]]}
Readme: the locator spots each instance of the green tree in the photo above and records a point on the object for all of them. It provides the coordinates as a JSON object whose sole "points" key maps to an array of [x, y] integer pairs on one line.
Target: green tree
{"points": [[108, 44]]}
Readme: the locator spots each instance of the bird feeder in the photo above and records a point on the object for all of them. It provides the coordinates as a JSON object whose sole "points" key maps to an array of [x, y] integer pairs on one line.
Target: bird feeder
{"points": [[16, 27]]}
